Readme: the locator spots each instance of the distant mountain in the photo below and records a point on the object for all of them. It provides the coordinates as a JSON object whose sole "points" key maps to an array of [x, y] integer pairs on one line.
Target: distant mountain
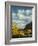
{"points": [[28, 26]]}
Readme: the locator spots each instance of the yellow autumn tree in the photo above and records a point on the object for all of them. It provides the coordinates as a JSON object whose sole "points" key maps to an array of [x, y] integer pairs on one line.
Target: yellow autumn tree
{"points": [[15, 29]]}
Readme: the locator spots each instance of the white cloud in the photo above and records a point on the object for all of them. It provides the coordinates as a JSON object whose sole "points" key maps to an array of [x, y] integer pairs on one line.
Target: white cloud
{"points": [[21, 11], [21, 25], [13, 14], [28, 12], [20, 16], [22, 19]]}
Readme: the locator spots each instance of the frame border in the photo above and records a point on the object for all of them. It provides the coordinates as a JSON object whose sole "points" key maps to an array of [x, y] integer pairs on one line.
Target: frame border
{"points": [[7, 35]]}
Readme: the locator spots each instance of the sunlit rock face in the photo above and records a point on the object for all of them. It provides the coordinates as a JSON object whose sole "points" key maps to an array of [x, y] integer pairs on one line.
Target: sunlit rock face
{"points": [[21, 15]]}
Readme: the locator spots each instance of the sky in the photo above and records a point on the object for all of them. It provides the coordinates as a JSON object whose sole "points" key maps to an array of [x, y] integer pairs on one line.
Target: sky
{"points": [[21, 15]]}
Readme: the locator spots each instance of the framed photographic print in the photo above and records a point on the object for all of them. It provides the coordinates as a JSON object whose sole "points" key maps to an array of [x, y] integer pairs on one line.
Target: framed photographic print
{"points": [[20, 22]]}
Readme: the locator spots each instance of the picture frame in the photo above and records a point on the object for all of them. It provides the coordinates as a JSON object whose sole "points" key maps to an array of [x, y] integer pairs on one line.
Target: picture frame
{"points": [[8, 23]]}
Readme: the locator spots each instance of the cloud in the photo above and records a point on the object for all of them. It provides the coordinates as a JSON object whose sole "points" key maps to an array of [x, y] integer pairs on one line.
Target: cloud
{"points": [[22, 17], [14, 16], [20, 10], [22, 23], [28, 12]]}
